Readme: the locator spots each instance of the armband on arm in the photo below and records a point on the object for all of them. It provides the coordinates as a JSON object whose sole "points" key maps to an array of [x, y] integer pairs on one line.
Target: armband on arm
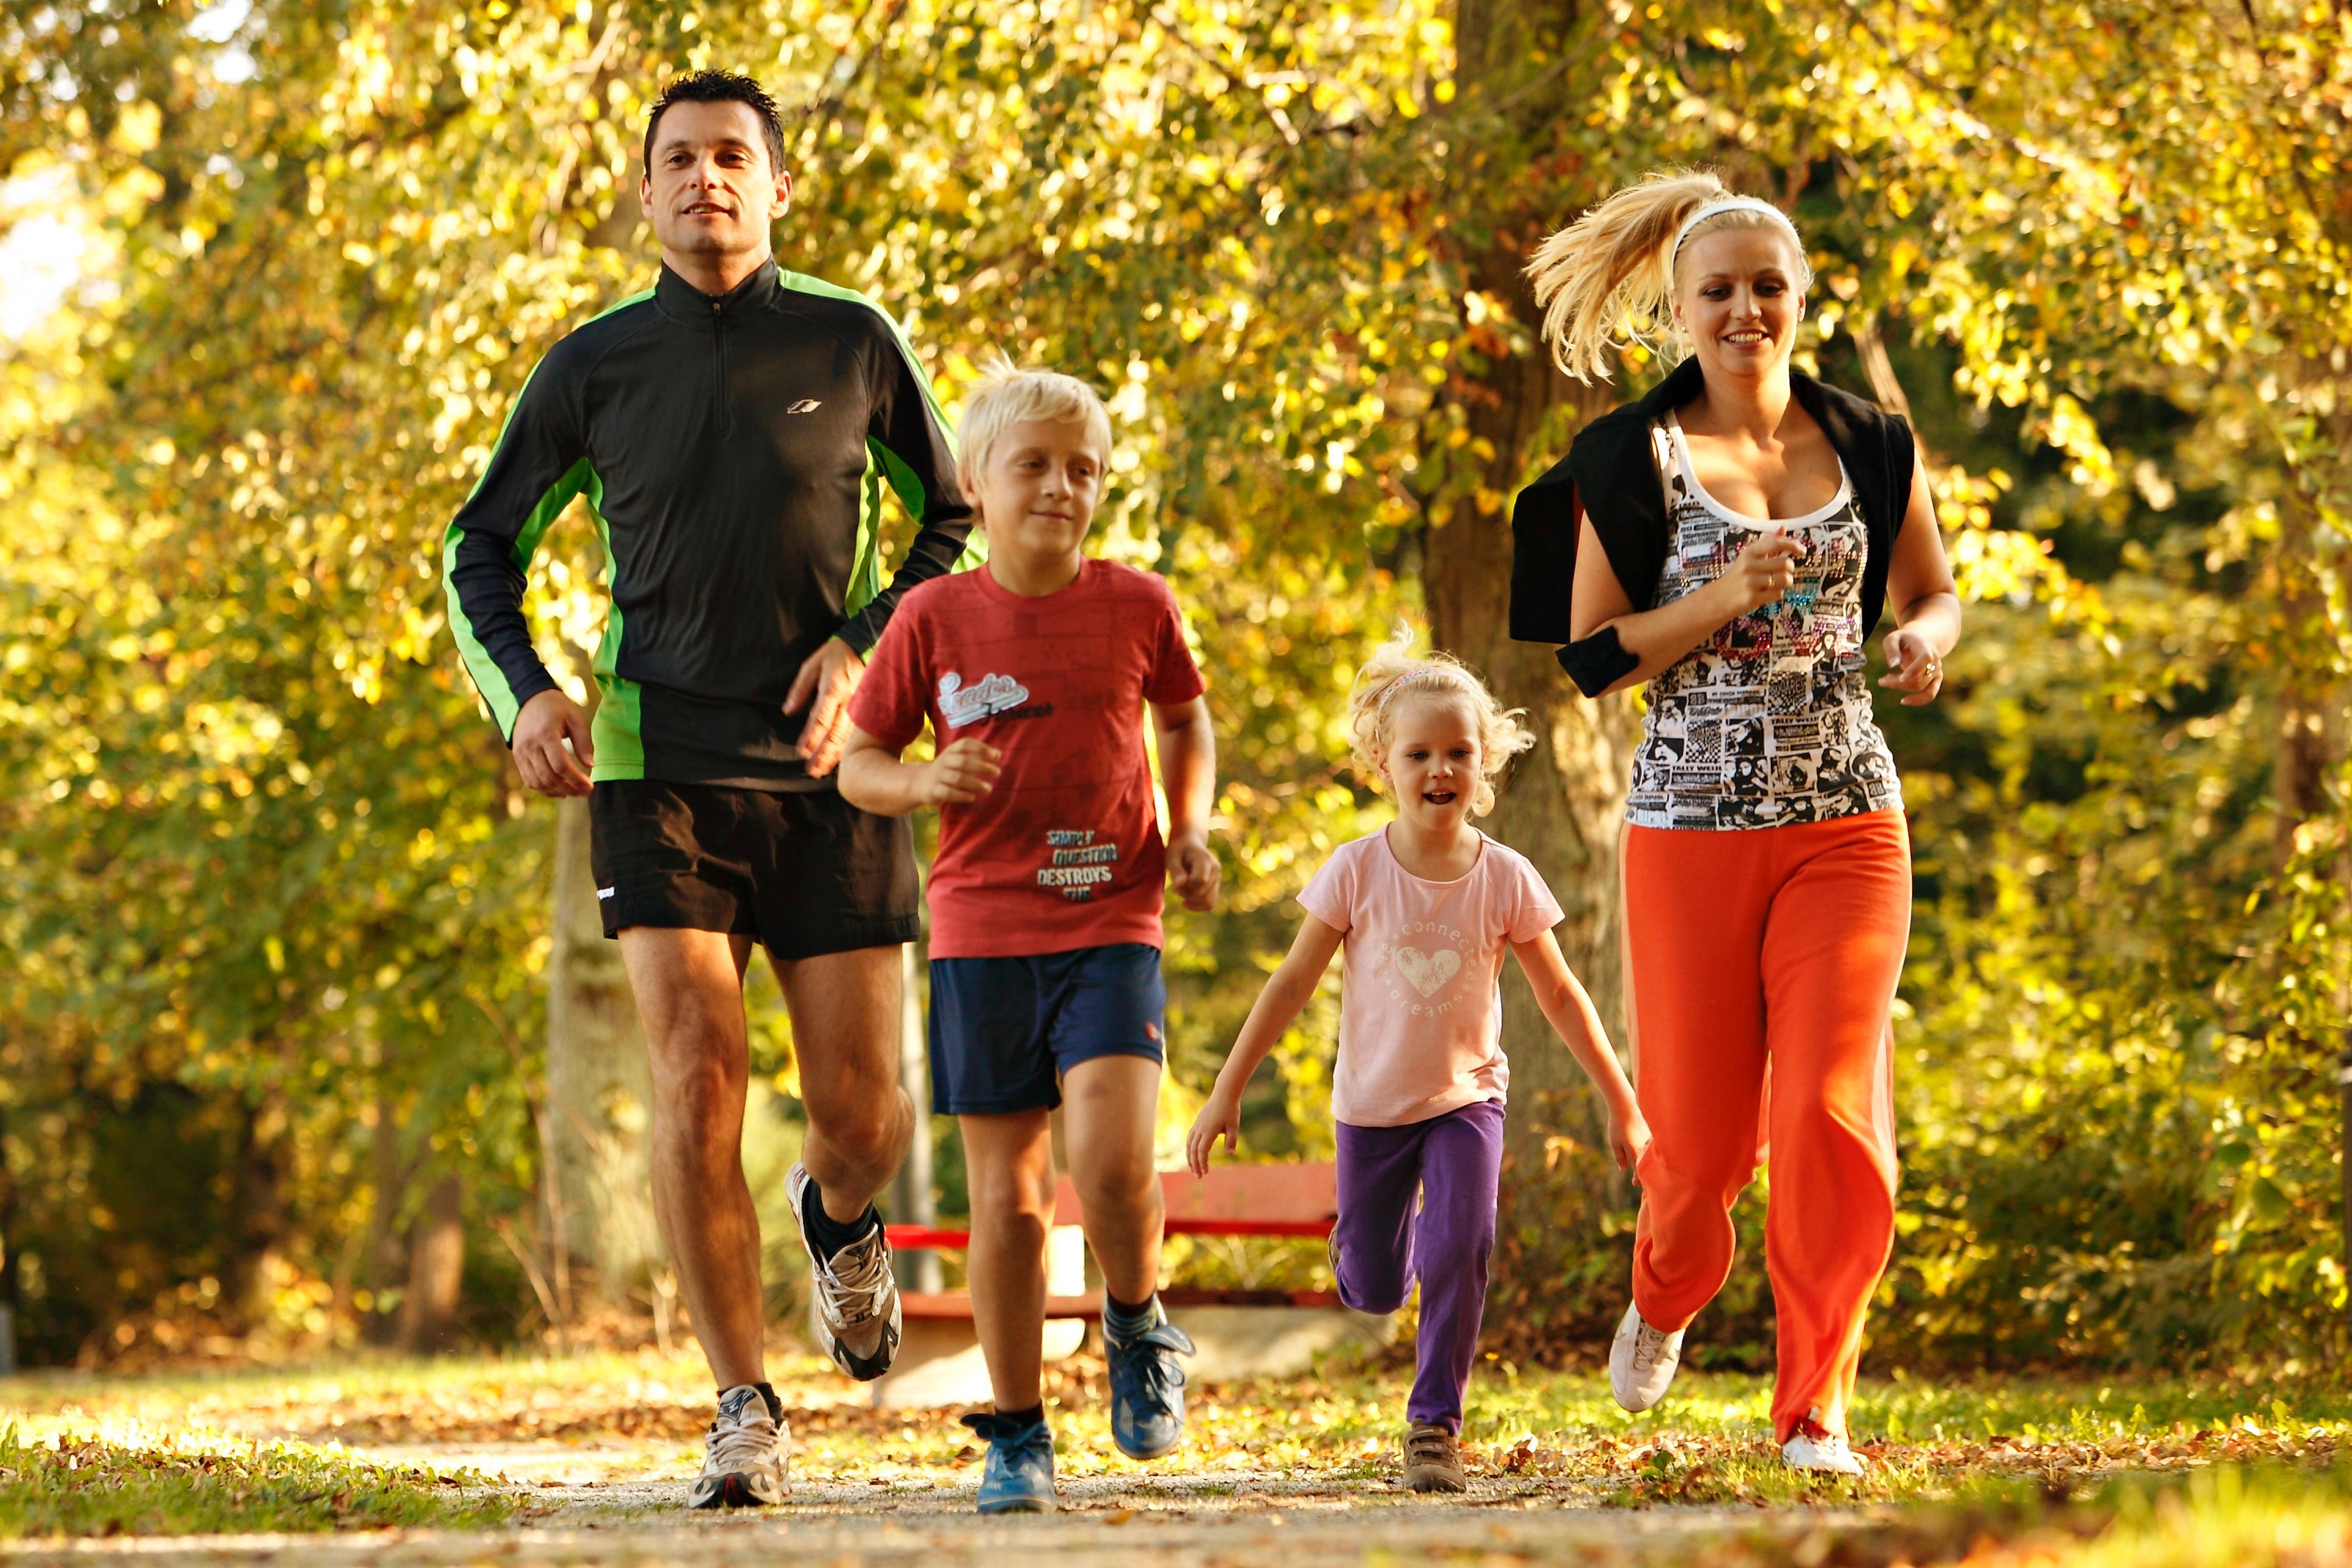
{"points": [[1598, 662]]}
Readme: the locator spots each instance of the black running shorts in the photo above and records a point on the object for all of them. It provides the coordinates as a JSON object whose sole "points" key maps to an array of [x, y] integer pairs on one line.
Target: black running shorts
{"points": [[804, 873]]}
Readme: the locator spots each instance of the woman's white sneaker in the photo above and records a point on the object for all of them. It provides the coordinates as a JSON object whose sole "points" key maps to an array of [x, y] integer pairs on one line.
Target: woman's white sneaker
{"points": [[1810, 1448], [744, 1457], [1642, 1362]]}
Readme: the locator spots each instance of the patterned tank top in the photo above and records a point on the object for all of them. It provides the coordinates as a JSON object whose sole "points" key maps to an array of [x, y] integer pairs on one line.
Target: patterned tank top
{"points": [[1767, 722]]}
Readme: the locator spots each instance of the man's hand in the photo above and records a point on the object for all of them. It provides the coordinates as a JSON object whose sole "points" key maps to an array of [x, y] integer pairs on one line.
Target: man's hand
{"points": [[546, 764], [960, 775], [1193, 874], [828, 676]]}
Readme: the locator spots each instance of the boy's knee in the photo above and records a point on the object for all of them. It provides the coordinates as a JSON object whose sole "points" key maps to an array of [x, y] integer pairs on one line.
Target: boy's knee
{"points": [[1008, 1198], [1121, 1186]]}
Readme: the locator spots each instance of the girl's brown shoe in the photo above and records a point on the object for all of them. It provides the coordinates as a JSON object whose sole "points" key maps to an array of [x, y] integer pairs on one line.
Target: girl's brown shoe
{"points": [[1432, 1461]]}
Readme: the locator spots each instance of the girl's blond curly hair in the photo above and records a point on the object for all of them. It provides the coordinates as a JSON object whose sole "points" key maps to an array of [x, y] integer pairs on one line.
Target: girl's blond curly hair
{"points": [[1395, 676]]}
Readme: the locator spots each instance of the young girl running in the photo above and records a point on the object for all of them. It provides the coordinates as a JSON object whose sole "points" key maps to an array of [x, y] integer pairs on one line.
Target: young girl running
{"points": [[1425, 908]]}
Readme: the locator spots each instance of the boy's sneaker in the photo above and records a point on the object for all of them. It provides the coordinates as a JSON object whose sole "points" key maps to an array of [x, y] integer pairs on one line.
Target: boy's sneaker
{"points": [[1432, 1461], [744, 1457], [1812, 1446], [1018, 1474], [1147, 1388], [1642, 1362], [854, 1305]]}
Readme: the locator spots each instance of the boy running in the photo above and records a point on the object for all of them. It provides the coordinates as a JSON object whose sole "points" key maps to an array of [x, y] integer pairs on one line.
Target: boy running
{"points": [[1046, 894]]}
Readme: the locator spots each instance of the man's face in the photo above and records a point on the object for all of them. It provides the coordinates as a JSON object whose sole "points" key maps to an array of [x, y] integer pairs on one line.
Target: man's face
{"points": [[709, 189]]}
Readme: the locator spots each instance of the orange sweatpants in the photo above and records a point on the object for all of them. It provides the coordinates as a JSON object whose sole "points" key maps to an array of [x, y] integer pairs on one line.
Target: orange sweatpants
{"points": [[1774, 947]]}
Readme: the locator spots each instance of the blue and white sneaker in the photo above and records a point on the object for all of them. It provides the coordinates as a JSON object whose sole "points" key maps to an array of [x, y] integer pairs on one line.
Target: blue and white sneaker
{"points": [[1018, 1475], [1147, 1388]]}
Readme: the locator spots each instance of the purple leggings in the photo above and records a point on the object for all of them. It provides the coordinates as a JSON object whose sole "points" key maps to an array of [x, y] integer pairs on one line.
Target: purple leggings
{"points": [[1452, 1163]]}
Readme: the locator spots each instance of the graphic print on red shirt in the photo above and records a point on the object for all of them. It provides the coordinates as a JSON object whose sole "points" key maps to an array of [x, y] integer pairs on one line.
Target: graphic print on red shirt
{"points": [[1064, 852]]}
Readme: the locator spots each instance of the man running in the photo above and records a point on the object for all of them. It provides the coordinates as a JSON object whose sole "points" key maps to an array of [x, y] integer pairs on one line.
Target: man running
{"points": [[731, 429]]}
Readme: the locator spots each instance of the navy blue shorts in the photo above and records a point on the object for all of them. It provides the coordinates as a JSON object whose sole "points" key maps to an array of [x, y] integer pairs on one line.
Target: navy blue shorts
{"points": [[1005, 1030]]}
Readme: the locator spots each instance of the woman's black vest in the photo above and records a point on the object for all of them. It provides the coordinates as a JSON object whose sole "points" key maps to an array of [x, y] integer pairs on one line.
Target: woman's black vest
{"points": [[1611, 469]]}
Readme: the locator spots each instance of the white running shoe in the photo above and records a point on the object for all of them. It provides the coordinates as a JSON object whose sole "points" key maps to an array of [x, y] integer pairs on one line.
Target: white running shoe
{"points": [[1642, 1361], [854, 1306], [744, 1457], [1811, 1448]]}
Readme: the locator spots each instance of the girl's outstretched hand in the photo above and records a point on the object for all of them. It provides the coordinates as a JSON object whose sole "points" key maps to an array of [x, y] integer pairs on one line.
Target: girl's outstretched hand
{"points": [[1221, 1117], [1628, 1137]]}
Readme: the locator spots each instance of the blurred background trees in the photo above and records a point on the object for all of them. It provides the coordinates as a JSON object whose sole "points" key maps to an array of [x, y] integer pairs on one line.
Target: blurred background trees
{"points": [[286, 945]]}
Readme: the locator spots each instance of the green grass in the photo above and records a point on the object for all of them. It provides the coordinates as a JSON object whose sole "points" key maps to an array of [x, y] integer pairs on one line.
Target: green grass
{"points": [[276, 1456], [134, 1483]]}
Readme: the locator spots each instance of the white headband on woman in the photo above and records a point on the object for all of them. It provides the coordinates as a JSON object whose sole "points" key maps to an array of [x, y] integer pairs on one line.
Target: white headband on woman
{"points": [[1732, 204]]}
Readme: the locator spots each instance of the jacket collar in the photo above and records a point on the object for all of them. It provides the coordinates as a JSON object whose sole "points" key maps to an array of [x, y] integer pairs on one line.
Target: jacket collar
{"points": [[689, 307], [1687, 379]]}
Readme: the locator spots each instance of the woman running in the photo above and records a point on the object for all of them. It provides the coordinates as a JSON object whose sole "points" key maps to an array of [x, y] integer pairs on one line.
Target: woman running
{"points": [[1730, 539]]}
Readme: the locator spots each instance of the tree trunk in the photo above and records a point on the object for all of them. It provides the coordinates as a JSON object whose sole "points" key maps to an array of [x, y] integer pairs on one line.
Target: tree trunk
{"points": [[258, 1209], [436, 1271], [597, 1184], [389, 1178], [1564, 802]]}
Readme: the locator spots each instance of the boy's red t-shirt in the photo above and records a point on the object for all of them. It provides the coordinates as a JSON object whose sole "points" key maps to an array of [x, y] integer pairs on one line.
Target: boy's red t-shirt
{"points": [[1064, 852]]}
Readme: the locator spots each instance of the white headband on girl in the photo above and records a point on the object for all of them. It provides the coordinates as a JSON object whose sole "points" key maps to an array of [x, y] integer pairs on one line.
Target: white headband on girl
{"points": [[1732, 204]]}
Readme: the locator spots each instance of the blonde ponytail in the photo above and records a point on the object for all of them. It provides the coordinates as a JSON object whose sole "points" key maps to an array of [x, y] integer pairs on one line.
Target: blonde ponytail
{"points": [[1607, 280]]}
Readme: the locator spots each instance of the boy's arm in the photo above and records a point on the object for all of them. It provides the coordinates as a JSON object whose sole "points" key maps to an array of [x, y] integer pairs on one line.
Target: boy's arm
{"points": [[1188, 771], [874, 779], [1287, 990], [1563, 1000]]}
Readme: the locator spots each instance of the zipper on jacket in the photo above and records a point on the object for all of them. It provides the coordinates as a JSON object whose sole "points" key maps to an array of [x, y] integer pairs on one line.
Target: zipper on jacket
{"points": [[719, 359]]}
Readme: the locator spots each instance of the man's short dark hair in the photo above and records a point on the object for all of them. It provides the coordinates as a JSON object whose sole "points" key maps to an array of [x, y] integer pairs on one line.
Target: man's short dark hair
{"points": [[722, 87]]}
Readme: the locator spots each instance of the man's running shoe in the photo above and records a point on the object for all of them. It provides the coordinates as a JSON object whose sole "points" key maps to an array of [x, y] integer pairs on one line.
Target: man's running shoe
{"points": [[1147, 1389], [854, 1306], [1018, 1475], [744, 1458], [1642, 1361]]}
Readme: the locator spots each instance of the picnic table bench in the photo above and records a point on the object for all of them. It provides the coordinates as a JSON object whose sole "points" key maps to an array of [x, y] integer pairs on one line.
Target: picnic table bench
{"points": [[1292, 1200]]}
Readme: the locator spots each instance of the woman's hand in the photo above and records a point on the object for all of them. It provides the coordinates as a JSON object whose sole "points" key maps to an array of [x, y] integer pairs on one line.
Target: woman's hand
{"points": [[1764, 569], [1629, 1136], [960, 775], [1219, 1118], [1914, 668]]}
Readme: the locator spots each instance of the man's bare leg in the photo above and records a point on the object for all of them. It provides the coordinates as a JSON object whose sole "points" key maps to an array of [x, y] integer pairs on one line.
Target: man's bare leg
{"points": [[845, 1011], [689, 991]]}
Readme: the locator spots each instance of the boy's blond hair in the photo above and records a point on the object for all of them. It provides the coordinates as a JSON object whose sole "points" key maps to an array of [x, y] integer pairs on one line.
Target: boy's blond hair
{"points": [[1395, 676], [1009, 395]]}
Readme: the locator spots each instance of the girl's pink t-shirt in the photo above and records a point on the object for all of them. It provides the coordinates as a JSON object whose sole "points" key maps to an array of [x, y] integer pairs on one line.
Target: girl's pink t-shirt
{"points": [[1421, 1002]]}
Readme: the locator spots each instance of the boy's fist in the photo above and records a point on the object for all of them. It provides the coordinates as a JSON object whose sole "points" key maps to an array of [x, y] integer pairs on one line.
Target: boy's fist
{"points": [[961, 773], [1193, 874]]}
